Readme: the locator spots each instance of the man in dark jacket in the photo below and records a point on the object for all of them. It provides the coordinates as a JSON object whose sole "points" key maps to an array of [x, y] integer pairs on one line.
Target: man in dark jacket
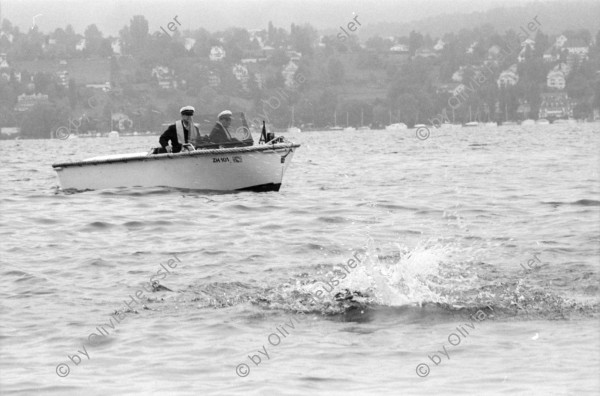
{"points": [[183, 131], [220, 132]]}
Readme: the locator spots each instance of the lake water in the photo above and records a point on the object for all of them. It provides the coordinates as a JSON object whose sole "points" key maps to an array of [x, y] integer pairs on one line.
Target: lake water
{"points": [[439, 303]]}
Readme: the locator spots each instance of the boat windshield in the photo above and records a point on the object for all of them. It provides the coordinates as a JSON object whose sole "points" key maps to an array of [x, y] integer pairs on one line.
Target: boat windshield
{"points": [[238, 130]]}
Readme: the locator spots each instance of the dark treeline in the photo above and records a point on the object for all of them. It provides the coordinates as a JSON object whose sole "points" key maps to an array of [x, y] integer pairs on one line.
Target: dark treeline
{"points": [[360, 82]]}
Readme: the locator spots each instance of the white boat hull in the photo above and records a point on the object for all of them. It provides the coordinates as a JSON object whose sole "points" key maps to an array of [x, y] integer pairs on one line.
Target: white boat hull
{"points": [[396, 127], [257, 168]]}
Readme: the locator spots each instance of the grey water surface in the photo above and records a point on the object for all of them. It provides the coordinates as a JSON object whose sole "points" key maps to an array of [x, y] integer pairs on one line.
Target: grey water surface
{"points": [[479, 271]]}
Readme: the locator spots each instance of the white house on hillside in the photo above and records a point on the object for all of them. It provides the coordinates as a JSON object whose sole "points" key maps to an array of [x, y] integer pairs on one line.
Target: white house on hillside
{"points": [[560, 41], [217, 54], [556, 79], [289, 71], [508, 77]]}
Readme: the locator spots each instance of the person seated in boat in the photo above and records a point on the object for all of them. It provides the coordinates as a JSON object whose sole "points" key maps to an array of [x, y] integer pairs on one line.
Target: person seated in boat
{"points": [[181, 132], [220, 133]]}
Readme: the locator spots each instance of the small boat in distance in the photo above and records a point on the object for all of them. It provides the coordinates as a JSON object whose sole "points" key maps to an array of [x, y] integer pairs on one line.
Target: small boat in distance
{"points": [[527, 122], [113, 134], [542, 121], [399, 126], [564, 121]]}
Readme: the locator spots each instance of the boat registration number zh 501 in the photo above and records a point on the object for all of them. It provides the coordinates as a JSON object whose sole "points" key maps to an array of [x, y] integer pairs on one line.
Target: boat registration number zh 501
{"points": [[235, 159]]}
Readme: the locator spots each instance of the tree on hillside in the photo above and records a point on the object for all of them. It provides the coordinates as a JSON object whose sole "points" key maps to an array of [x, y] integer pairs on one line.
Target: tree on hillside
{"points": [[378, 43], [42, 119], [138, 29], [415, 41], [203, 43], [302, 37], [72, 93], [335, 71], [542, 43], [93, 40], [408, 107]]}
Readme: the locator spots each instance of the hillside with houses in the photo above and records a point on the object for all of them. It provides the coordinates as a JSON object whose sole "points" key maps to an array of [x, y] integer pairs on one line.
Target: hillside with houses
{"points": [[139, 80]]}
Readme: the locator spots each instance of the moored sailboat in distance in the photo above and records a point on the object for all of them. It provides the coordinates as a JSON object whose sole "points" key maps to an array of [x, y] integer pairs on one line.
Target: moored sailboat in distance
{"points": [[348, 127], [335, 126], [471, 123], [507, 122], [398, 126], [489, 122], [292, 128], [362, 126]]}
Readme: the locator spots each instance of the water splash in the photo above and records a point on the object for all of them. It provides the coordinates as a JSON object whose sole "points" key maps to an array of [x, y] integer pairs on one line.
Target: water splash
{"points": [[436, 278]]}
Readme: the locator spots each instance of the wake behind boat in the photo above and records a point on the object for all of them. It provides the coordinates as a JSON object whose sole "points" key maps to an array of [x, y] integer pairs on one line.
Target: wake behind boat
{"points": [[214, 167]]}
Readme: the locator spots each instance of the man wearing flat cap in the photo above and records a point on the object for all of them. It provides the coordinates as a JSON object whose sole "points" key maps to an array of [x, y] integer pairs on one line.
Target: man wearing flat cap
{"points": [[181, 132], [220, 132]]}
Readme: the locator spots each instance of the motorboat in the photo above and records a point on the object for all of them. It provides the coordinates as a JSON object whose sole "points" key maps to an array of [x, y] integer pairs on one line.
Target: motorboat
{"points": [[113, 134], [211, 167], [542, 121], [528, 122]]}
